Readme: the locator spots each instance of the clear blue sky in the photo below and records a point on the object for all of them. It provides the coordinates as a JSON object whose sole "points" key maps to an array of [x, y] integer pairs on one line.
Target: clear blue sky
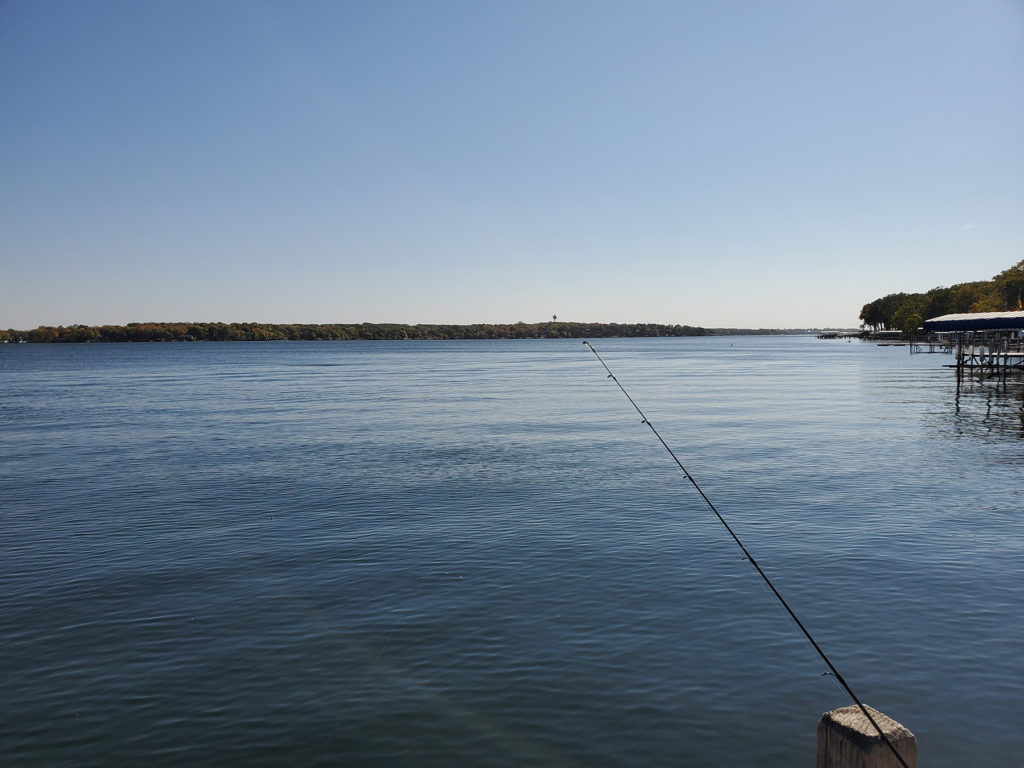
{"points": [[745, 164]]}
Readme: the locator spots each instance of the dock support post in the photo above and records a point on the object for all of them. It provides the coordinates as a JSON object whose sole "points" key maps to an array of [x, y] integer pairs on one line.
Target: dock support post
{"points": [[847, 740]]}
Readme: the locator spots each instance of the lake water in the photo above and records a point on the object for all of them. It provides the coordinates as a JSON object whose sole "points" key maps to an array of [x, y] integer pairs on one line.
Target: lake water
{"points": [[473, 553]]}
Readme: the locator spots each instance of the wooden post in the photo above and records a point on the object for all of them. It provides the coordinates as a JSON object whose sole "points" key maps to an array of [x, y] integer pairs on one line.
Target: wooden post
{"points": [[847, 740]]}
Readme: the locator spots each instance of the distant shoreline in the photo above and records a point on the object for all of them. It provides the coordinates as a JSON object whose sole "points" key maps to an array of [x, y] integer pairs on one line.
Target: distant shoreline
{"points": [[192, 332]]}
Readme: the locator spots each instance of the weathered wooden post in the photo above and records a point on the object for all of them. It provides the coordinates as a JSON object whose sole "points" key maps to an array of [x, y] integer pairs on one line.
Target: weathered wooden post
{"points": [[846, 739]]}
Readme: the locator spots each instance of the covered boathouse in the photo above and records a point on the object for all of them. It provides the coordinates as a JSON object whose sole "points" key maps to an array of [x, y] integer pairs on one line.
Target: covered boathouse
{"points": [[989, 341]]}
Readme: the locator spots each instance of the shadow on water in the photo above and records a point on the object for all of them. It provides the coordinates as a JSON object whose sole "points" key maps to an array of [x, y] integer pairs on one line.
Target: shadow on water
{"points": [[989, 406]]}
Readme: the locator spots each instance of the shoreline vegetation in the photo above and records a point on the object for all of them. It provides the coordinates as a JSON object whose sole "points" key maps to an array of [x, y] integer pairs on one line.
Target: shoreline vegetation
{"points": [[366, 331], [906, 311]]}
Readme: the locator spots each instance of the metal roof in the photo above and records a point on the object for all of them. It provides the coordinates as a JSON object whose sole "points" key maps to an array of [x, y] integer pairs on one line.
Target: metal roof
{"points": [[976, 321]]}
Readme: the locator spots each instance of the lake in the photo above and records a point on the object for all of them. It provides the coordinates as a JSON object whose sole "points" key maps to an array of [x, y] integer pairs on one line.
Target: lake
{"points": [[474, 553]]}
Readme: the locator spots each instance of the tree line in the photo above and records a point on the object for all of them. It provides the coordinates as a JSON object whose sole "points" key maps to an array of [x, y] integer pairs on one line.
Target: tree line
{"points": [[906, 311], [339, 332]]}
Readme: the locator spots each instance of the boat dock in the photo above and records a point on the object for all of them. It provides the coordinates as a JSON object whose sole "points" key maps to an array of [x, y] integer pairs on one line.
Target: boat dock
{"points": [[990, 342]]}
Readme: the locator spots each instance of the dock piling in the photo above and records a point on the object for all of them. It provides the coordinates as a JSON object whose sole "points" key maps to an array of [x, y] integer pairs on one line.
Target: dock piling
{"points": [[847, 740]]}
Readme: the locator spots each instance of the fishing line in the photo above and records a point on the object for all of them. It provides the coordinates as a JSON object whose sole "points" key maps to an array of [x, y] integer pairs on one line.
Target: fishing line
{"points": [[750, 558]]}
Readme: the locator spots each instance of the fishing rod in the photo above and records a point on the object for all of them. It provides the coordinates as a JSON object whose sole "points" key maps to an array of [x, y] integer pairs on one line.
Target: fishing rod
{"points": [[753, 562]]}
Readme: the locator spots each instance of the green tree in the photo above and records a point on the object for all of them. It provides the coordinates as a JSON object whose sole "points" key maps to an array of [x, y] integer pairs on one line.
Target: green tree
{"points": [[871, 315], [1009, 288], [907, 317], [937, 302]]}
